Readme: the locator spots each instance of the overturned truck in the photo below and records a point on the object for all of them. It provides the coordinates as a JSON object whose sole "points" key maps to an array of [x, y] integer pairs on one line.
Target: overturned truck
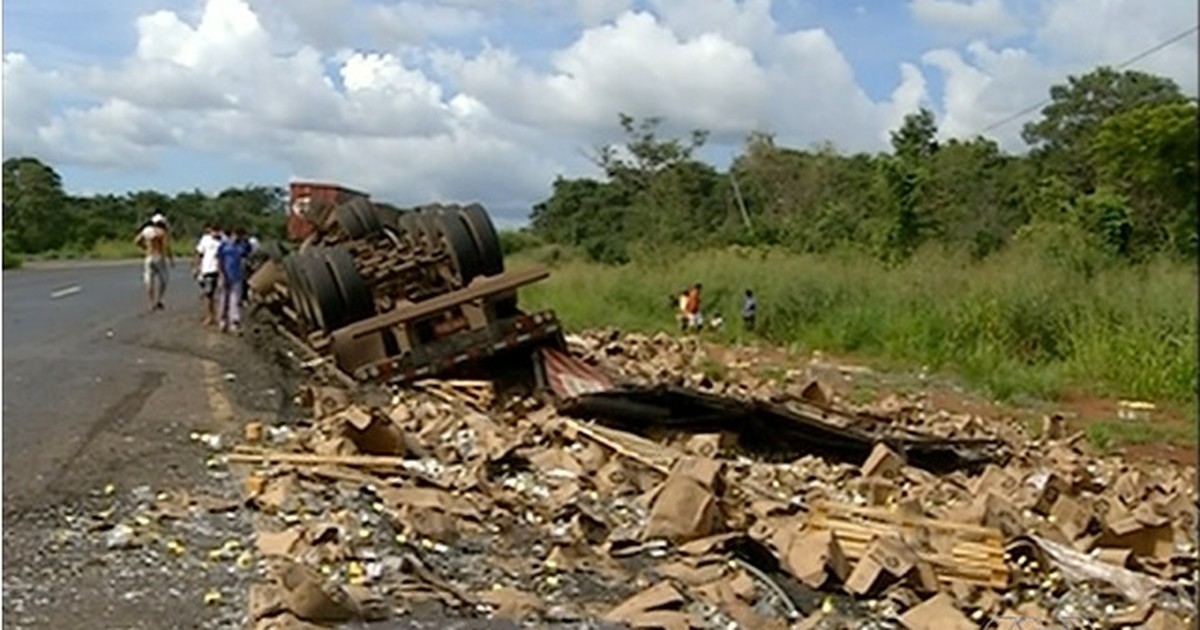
{"points": [[392, 295]]}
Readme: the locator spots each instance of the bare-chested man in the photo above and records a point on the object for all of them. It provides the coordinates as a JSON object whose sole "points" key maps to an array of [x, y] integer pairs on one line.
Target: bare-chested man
{"points": [[155, 239]]}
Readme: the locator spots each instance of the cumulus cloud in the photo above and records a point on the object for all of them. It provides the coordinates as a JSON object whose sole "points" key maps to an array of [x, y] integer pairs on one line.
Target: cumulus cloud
{"points": [[412, 119], [417, 22], [967, 18], [984, 86]]}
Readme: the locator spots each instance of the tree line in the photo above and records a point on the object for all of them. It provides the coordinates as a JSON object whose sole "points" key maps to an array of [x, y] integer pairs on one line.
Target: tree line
{"points": [[40, 217], [1111, 168]]}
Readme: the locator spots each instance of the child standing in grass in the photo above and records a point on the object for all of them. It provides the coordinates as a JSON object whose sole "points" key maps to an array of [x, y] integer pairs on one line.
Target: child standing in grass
{"points": [[749, 310]]}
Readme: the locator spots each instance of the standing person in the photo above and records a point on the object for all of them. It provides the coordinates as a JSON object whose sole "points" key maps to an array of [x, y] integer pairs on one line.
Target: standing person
{"points": [[205, 263], [155, 240], [695, 319], [232, 256], [749, 310], [682, 315]]}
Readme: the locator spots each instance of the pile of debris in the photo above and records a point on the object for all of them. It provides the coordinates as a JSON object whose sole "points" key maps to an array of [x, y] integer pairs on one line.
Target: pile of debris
{"points": [[452, 498]]}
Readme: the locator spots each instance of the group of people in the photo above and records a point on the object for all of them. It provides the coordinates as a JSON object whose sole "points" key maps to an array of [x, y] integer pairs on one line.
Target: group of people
{"points": [[219, 265], [220, 268], [691, 317]]}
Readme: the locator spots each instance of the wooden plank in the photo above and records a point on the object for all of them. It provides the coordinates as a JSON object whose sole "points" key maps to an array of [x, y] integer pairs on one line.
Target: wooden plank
{"points": [[902, 519], [876, 530]]}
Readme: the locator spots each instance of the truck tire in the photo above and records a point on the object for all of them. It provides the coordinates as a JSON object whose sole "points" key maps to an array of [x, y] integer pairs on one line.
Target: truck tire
{"points": [[356, 297], [459, 245], [365, 211], [487, 242], [297, 289], [325, 302], [347, 219]]}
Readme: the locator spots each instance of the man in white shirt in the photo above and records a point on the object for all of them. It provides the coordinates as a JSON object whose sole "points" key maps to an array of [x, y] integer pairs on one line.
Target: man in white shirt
{"points": [[207, 270]]}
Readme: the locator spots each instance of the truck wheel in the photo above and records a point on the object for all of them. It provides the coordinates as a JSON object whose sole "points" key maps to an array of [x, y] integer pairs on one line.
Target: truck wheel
{"points": [[325, 301], [486, 239], [459, 245], [359, 304], [365, 211], [297, 289], [348, 220]]}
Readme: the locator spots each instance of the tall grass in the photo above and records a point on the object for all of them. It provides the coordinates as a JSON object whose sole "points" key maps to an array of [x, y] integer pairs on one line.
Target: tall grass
{"points": [[1017, 324]]}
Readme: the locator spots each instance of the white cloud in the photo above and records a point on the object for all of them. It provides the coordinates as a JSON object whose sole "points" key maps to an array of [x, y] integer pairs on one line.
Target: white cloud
{"points": [[411, 120], [967, 18], [987, 86], [1092, 32], [593, 12], [416, 22], [29, 93]]}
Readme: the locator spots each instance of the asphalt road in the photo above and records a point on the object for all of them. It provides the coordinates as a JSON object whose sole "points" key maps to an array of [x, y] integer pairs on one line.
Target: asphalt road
{"points": [[87, 369], [99, 391], [66, 373]]}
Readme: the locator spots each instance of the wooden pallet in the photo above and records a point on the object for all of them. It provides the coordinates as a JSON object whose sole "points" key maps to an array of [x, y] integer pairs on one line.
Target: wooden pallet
{"points": [[976, 556]]}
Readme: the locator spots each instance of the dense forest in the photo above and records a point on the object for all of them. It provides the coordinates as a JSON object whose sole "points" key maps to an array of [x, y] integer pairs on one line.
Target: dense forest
{"points": [[1111, 168]]}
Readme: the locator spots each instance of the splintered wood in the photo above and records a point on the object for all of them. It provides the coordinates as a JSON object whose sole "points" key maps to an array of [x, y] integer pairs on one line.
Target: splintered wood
{"points": [[480, 395], [957, 552]]}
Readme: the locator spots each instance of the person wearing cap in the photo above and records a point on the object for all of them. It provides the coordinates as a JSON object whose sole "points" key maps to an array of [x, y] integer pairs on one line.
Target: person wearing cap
{"points": [[155, 240]]}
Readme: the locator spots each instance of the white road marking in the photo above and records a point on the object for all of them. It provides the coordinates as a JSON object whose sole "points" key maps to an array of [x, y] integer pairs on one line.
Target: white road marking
{"points": [[62, 293]]}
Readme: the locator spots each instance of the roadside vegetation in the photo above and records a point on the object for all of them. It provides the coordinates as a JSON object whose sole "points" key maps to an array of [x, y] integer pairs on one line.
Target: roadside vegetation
{"points": [[1069, 269], [43, 222], [1018, 324]]}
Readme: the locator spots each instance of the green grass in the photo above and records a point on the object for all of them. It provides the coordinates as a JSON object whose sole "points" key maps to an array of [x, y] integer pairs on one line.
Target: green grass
{"points": [[1018, 325], [1109, 434], [12, 260]]}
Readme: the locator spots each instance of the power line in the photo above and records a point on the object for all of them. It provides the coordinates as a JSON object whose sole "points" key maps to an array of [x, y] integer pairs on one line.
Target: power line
{"points": [[1124, 64]]}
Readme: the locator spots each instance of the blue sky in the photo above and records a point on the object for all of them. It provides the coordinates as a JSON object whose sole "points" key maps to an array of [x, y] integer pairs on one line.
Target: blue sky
{"points": [[417, 100]]}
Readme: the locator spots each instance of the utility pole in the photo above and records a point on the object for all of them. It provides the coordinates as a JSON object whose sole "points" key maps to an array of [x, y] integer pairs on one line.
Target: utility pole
{"points": [[737, 194]]}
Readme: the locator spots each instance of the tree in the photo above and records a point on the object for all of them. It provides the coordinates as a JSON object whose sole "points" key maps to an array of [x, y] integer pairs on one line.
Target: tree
{"points": [[644, 153], [34, 205], [1078, 108], [916, 139], [1148, 154]]}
